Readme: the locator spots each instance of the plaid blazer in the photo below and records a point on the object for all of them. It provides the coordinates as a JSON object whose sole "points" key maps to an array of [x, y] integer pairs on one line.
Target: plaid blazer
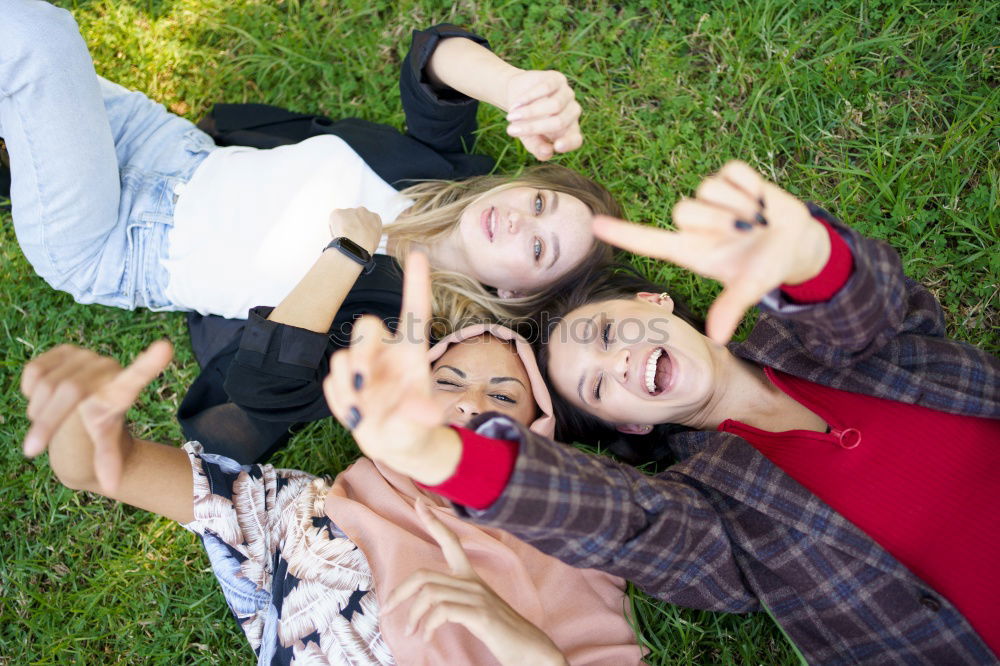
{"points": [[724, 529]]}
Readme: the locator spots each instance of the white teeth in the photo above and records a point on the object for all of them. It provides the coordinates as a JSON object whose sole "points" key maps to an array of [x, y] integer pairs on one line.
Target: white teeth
{"points": [[493, 223], [651, 370]]}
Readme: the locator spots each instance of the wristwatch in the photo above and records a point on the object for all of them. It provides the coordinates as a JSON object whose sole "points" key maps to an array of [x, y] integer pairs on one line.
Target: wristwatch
{"points": [[356, 253]]}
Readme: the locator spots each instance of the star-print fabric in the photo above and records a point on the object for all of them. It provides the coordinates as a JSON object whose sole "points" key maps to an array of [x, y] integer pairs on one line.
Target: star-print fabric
{"points": [[300, 590]]}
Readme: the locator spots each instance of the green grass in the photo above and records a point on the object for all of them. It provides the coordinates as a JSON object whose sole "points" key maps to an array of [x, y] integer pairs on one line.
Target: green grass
{"points": [[885, 112]]}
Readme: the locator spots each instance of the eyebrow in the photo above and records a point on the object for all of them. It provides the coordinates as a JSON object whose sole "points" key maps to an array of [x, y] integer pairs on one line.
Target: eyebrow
{"points": [[500, 380], [454, 369], [555, 238], [579, 386], [555, 250]]}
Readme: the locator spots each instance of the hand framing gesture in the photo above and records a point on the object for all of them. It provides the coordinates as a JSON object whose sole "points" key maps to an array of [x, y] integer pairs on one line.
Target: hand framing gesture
{"points": [[77, 401], [741, 230], [463, 597], [380, 388], [544, 113]]}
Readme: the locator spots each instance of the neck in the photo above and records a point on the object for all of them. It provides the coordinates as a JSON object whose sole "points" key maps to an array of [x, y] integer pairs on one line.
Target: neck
{"points": [[742, 392], [444, 254]]}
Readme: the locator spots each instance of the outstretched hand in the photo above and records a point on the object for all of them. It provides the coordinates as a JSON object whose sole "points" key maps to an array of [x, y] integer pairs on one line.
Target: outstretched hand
{"points": [[464, 598], [741, 230], [77, 402], [543, 113], [380, 388]]}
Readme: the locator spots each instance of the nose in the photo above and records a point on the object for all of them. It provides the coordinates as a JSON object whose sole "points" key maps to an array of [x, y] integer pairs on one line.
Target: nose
{"points": [[513, 222], [468, 408], [620, 368]]}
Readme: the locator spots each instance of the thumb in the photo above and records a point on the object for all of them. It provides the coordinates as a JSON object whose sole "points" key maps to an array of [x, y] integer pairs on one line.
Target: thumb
{"points": [[729, 308]]}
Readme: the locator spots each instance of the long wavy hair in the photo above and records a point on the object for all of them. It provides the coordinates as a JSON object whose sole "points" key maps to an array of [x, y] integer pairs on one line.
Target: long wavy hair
{"points": [[460, 300], [602, 284]]}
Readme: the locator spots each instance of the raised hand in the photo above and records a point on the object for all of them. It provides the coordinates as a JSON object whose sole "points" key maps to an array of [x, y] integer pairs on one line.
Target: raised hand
{"points": [[543, 113], [741, 230], [77, 401], [463, 597], [380, 388]]}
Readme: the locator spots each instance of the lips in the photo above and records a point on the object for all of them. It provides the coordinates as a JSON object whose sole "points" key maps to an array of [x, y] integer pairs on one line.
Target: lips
{"points": [[488, 221]]}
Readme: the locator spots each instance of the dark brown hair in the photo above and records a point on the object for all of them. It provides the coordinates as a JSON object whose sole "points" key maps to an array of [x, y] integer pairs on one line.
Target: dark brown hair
{"points": [[617, 281]]}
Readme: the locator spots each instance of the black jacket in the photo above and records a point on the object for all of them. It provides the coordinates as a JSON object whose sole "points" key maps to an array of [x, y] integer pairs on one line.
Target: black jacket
{"points": [[260, 378]]}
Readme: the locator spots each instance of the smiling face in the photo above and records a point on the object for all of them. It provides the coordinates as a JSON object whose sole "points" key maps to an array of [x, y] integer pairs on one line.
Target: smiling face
{"points": [[632, 362], [482, 374], [522, 239]]}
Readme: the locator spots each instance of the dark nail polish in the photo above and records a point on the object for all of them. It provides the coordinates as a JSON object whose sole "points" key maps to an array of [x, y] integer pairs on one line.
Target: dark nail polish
{"points": [[353, 418], [358, 381], [760, 219], [760, 200], [743, 225]]}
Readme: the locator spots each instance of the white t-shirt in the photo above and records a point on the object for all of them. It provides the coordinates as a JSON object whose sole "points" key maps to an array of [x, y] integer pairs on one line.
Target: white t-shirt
{"points": [[250, 223]]}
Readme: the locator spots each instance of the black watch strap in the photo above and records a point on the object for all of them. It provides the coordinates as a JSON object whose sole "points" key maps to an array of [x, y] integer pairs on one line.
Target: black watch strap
{"points": [[357, 253]]}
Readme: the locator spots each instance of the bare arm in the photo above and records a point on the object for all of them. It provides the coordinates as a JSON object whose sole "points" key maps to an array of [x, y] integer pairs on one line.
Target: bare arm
{"points": [[542, 108], [472, 70], [315, 300], [77, 404]]}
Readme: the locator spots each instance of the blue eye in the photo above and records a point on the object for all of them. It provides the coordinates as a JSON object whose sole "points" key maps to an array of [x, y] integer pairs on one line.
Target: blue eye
{"points": [[539, 204], [538, 248], [503, 398]]}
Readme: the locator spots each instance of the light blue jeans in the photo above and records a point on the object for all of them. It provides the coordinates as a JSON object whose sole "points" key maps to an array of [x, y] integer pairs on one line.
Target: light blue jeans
{"points": [[93, 166]]}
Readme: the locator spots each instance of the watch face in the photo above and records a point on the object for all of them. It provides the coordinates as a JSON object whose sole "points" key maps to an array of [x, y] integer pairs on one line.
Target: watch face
{"points": [[355, 249]]}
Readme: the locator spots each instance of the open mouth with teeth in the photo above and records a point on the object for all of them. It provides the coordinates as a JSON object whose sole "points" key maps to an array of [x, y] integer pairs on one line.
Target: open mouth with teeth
{"points": [[659, 369]]}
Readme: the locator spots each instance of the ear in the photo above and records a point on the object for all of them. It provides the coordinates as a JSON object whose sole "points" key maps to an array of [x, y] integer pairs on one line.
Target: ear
{"points": [[662, 299], [634, 429], [507, 294]]}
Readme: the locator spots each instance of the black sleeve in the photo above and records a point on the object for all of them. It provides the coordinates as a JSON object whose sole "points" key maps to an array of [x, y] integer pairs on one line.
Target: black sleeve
{"points": [[278, 370], [443, 119]]}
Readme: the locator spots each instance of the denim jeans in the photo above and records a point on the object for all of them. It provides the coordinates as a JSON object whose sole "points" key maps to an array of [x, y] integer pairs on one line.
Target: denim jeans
{"points": [[94, 166]]}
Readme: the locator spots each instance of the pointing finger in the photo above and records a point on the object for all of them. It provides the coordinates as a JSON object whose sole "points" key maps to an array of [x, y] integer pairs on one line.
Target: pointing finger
{"points": [[451, 547], [415, 315], [643, 239], [122, 391]]}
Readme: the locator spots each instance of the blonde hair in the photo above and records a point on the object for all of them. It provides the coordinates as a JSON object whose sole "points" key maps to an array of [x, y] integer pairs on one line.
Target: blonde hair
{"points": [[459, 300]]}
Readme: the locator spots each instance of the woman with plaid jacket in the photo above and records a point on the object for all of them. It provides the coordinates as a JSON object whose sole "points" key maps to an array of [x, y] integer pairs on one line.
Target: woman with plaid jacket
{"points": [[837, 468]]}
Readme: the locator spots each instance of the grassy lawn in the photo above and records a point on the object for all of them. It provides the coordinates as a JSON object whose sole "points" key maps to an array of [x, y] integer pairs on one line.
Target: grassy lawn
{"points": [[885, 112]]}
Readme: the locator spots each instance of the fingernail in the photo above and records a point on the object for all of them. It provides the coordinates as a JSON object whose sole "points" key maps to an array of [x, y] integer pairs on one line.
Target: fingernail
{"points": [[514, 131], [743, 225], [353, 418], [359, 380], [514, 115], [760, 201], [30, 445], [760, 219]]}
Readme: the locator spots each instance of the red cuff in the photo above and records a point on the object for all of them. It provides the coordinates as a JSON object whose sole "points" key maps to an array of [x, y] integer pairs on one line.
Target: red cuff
{"points": [[834, 275], [482, 473]]}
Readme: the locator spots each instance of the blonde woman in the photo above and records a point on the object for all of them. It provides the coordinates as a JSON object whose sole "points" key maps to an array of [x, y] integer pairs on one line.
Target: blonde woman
{"points": [[119, 202]]}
